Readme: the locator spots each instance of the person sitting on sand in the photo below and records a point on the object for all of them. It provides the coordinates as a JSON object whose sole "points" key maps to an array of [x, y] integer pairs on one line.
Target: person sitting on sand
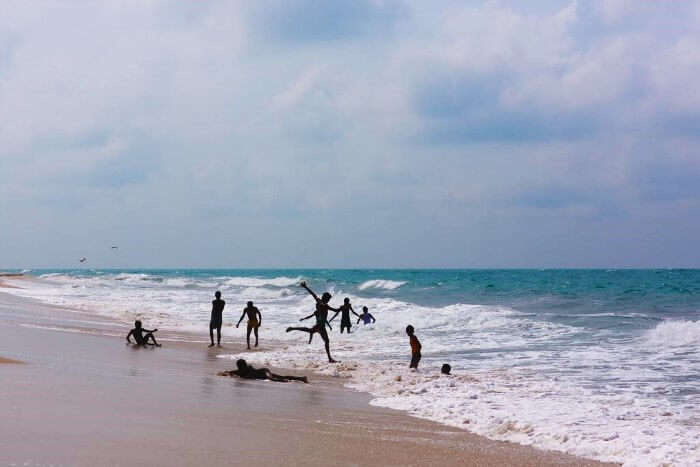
{"points": [[321, 315], [249, 372], [254, 321], [139, 337], [366, 317], [217, 310], [345, 309], [415, 347]]}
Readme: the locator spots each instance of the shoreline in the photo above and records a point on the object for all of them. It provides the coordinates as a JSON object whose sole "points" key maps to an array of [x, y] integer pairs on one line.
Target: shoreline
{"points": [[343, 415]]}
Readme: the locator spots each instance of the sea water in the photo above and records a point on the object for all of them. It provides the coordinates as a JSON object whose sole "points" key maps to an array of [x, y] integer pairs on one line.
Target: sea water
{"points": [[602, 364]]}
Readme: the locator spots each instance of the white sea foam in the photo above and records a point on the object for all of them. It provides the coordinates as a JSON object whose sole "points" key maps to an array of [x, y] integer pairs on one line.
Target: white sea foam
{"points": [[674, 334], [381, 284]]}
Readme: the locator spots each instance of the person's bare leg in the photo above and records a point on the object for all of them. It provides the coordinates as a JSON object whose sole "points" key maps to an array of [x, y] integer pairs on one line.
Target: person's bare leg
{"points": [[211, 336], [284, 379], [255, 330], [327, 343], [247, 337], [153, 338], [218, 336]]}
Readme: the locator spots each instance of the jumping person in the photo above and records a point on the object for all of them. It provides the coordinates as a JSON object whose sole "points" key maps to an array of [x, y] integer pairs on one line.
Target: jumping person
{"points": [[139, 337], [366, 317], [254, 321], [415, 347], [217, 310], [321, 315], [249, 372], [345, 309]]}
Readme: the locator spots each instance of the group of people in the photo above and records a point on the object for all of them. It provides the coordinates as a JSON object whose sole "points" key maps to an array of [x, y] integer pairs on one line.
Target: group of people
{"points": [[145, 337]]}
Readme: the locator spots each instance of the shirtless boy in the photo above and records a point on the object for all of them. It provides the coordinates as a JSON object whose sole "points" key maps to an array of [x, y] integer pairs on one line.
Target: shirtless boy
{"points": [[140, 338], [321, 315], [254, 321], [249, 372], [345, 309]]}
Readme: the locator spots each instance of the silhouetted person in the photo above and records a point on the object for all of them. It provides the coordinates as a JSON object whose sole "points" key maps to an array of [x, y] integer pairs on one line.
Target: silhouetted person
{"points": [[446, 368], [366, 317], [415, 347], [249, 372], [254, 321], [345, 309], [139, 337], [217, 310], [321, 315]]}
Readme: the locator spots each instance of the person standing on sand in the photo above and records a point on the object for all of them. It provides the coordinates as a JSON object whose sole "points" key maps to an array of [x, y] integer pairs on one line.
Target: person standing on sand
{"points": [[345, 309], [321, 315], [415, 347], [254, 321], [217, 310]]}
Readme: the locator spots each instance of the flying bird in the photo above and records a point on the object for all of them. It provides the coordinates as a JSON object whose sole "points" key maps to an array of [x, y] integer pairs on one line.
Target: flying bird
{"points": [[83, 259]]}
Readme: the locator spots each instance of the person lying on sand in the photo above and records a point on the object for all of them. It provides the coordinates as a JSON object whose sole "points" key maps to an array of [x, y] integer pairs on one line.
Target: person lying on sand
{"points": [[249, 372], [366, 317], [254, 321], [345, 309], [321, 315], [139, 337]]}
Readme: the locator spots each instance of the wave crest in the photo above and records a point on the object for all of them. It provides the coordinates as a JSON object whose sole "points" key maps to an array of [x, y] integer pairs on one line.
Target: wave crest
{"points": [[381, 284], [674, 334]]}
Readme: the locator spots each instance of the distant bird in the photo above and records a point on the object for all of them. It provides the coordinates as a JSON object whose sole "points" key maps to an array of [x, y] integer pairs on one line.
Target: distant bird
{"points": [[115, 247], [83, 259]]}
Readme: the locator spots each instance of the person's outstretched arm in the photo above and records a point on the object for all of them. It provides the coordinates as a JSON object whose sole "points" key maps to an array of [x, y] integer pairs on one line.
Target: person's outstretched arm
{"points": [[358, 319], [353, 311], [373, 320], [259, 317], [152, 330], [131, 333], [239, 321], [307, 317], [303, 284], [336, 314]]}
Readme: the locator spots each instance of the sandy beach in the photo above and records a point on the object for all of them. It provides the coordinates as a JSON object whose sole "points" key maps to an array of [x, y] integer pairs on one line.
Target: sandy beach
{"points": [[84, 397]]}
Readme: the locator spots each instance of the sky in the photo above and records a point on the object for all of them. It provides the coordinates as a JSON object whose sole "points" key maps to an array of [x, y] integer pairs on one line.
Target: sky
{"points": [[349, 134]]}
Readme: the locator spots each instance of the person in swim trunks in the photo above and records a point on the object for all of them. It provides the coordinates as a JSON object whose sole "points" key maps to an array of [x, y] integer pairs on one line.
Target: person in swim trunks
{"points": [[254, 321], [217, 310], [321, 315], [415, 347], [366, 317], [140, 338], [246, 371], [345, 309]]}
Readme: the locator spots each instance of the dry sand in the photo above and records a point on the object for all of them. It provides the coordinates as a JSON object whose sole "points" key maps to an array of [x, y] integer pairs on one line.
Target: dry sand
{"points": [[85, 398]]}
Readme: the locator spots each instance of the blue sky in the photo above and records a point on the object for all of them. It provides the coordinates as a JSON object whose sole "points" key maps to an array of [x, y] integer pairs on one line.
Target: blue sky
{"points": [[371, 133]]}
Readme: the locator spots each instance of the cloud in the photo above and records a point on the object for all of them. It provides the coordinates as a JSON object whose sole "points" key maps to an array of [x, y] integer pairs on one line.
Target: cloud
{"points": [[370, 133]]}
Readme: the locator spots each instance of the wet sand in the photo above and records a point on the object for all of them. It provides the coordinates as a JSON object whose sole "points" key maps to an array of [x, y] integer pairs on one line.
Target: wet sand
{"points": [[84, 397]]}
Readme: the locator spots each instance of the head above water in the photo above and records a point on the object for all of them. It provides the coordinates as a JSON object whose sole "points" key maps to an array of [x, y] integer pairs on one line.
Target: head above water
{"points": [[364, 309], [217, 294], [409, 330], [137, 323], [250, 303], [241, 364], [346, 300], [325, 298], [446, 368]]}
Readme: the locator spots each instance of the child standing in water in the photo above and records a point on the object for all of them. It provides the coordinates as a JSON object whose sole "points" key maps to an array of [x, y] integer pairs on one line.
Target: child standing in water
{"points": [[415, 347], [366, 317], [345, 309]]}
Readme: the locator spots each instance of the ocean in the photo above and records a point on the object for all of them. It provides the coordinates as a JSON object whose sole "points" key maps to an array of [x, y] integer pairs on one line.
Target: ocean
{"points": [[603, 364]]}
